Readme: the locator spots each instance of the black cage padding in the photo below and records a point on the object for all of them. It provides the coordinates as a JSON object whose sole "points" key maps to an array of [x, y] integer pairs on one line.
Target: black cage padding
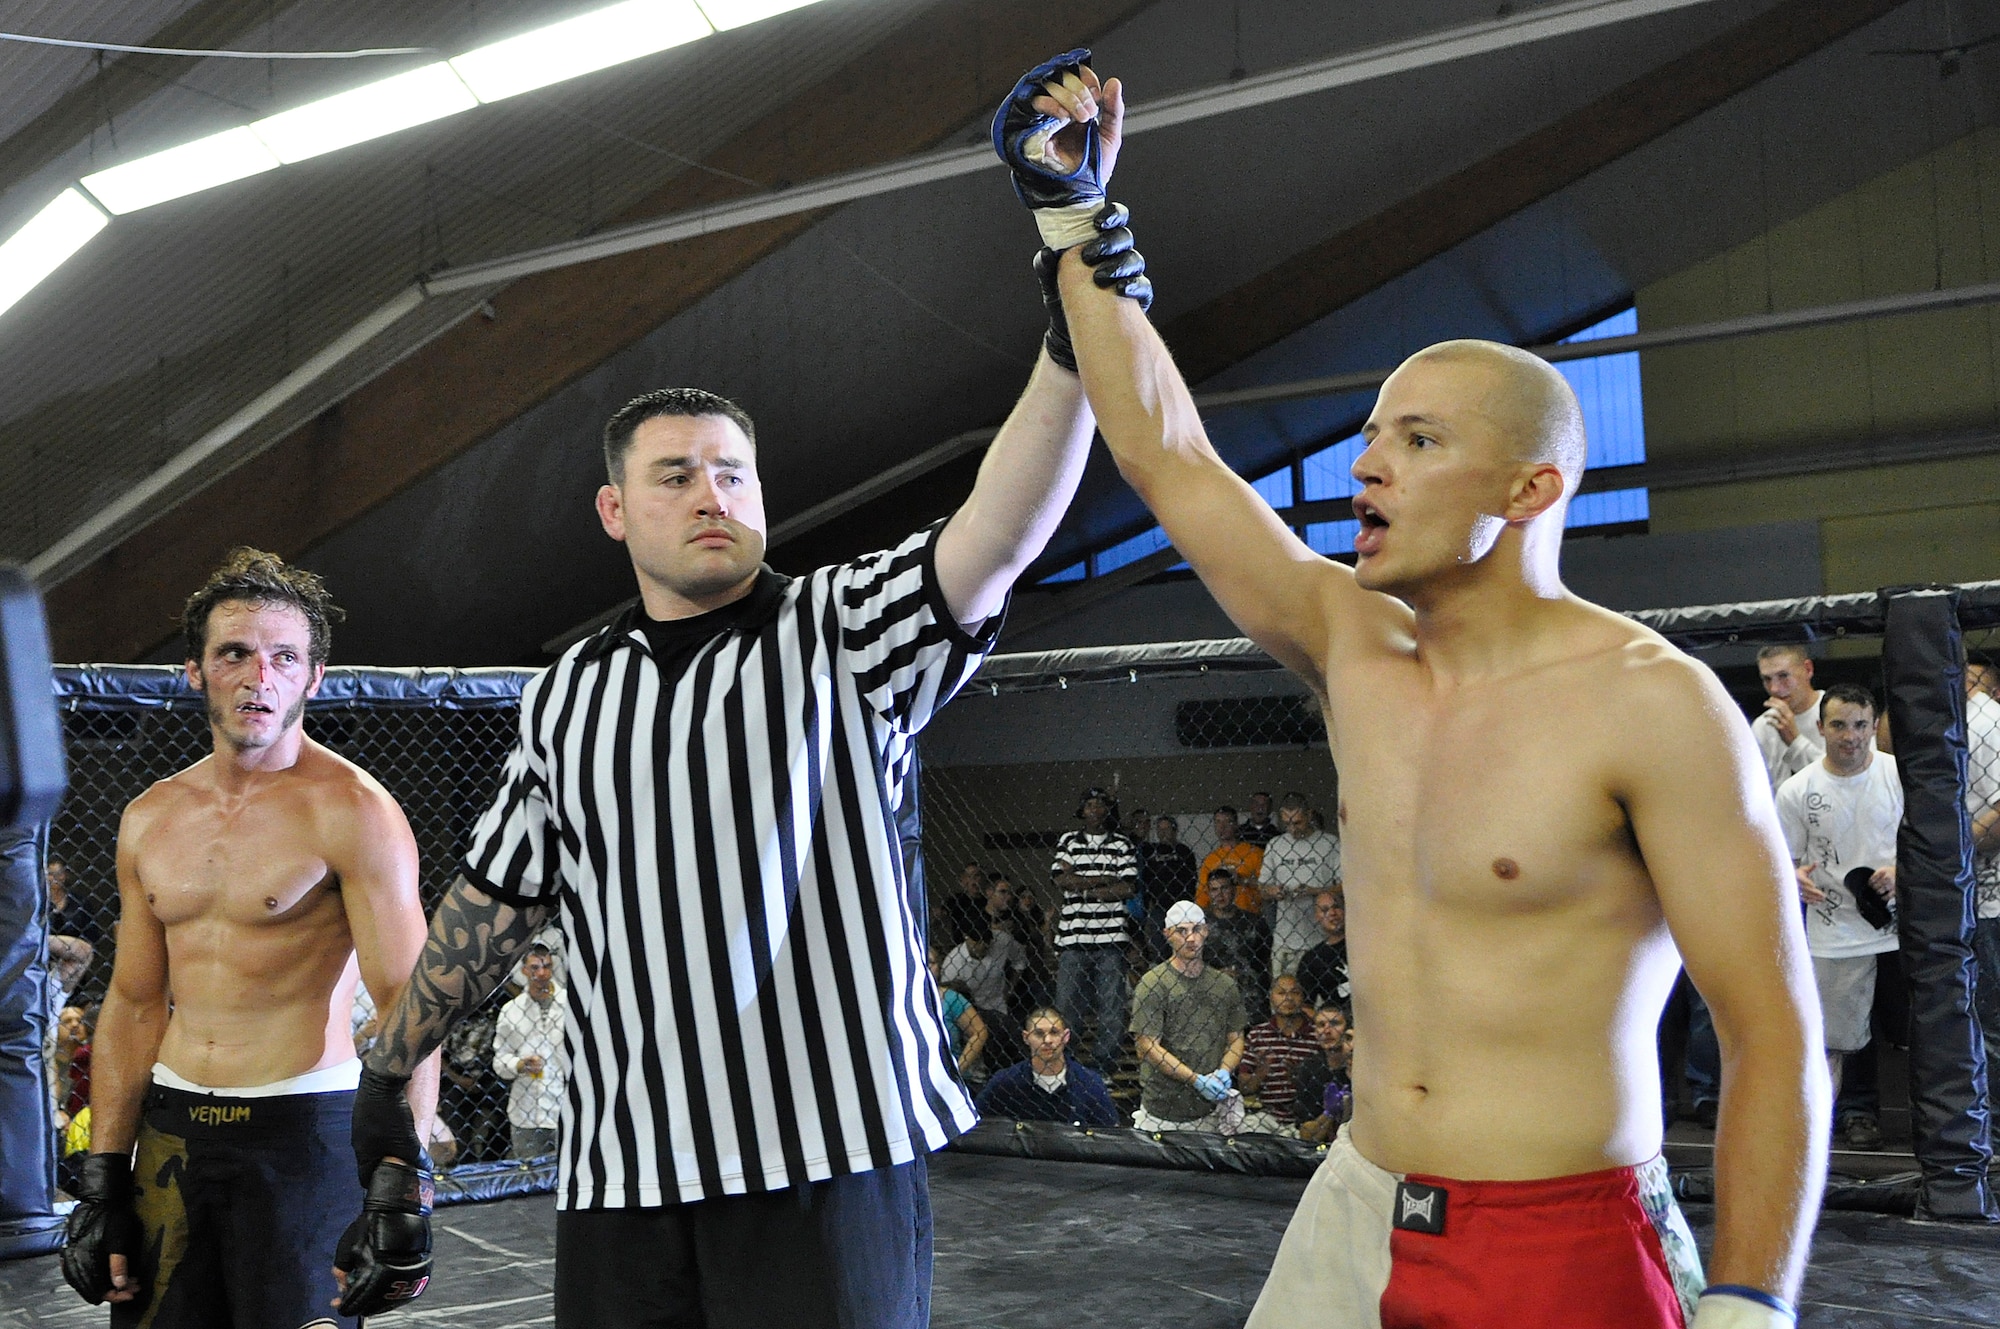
{"points": [[1198, 1151], [28, 1222], [122, 687], [1693, 1178], [1816, 618], [1924, 674], [470, 1183]]}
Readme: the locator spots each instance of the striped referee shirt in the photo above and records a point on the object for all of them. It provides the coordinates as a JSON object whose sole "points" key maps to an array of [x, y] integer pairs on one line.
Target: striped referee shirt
{"points": [[1084, 921], [748, 1004]]}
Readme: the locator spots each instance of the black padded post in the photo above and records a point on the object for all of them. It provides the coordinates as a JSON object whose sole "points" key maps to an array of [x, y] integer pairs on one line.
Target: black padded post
{"points": [[1923, 670], [32, 771], [31, 786], [28, 1223]]}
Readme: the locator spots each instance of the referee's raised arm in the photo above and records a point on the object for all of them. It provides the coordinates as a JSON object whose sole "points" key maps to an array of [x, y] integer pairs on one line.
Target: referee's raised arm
{"points": [[1025, 485]]}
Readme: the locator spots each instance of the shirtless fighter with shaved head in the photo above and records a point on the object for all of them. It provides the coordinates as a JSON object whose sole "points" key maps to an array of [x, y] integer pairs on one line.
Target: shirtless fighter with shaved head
{"points": [[255, 887], [1539, 798]]}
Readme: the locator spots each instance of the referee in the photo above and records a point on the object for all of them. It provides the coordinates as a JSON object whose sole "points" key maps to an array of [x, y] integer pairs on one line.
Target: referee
{"points": [[703, 795]]}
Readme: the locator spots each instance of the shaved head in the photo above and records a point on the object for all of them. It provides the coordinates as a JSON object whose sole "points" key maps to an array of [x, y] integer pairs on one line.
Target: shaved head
{"points": [[1530, 400]]}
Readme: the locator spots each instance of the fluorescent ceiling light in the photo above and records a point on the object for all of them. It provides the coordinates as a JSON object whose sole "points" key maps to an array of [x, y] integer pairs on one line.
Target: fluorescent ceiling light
{"points": [[727, 14], [383, 107], [188, 169], [45, 243], [580, 45]]}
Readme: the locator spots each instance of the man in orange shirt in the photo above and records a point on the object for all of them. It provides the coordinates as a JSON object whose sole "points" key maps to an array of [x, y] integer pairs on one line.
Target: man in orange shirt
{"points": [[1246, 860]]}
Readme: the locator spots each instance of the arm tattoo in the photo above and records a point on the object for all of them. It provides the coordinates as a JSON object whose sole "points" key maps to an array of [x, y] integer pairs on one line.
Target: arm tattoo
{"points": [[472, 937]]}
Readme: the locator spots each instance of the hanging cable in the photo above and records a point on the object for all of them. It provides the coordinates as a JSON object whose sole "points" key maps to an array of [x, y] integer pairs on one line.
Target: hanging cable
{"points": [[220, 55]]}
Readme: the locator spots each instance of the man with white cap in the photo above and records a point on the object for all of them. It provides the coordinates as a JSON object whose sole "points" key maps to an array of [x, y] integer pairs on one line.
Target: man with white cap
{"points": [[1187, 1026]]}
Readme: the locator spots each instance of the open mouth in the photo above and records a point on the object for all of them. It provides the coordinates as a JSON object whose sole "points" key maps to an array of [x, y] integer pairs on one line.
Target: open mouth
{"points": [[254, 708], [1368, 539]]}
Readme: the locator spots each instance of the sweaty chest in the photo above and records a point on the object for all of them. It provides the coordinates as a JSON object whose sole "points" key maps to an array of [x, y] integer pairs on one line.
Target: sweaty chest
{"points": [[1499, 800], [241, 869]]}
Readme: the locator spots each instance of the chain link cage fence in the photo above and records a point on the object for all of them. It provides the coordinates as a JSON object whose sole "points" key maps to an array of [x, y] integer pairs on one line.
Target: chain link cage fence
{"points": [[1077, 809]]}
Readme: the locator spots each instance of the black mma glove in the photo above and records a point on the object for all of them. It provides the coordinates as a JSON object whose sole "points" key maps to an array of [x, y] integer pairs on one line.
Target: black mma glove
{"points": [[386, 1253], [1115, 265], [103, 1224]]}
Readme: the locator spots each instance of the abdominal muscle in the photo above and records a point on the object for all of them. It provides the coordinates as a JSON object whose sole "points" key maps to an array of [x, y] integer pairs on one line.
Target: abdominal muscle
{"points": [[256, 1004], [1506, 1049]]}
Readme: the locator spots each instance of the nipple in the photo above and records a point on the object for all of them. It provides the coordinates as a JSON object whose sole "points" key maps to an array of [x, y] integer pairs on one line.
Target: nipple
{"points": [[1342, 814], [1506, 869]]}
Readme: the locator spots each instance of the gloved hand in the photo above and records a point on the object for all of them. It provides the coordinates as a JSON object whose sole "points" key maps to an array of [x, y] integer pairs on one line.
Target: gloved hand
{"points": [[1060, 152], [386, 1253], [1115, 266], [1726, 1306], [1213, 1086], [384, 1126], [103, 1224]]}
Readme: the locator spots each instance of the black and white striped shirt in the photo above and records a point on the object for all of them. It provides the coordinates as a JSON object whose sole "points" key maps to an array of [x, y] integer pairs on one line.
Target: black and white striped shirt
{"points": [[748, 1004], [1084, 921]]}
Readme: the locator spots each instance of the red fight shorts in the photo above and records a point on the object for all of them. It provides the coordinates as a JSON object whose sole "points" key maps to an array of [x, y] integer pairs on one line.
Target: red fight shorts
{"points": [[1368, 1249]]}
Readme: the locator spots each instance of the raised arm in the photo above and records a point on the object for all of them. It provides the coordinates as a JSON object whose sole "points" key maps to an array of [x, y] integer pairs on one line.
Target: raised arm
{"points": [[1698, 801], [375, 854], [1024, 487]]}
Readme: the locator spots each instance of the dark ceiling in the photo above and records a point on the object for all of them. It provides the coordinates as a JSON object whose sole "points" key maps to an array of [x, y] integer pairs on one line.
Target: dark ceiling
{"points": [[444, 487]]}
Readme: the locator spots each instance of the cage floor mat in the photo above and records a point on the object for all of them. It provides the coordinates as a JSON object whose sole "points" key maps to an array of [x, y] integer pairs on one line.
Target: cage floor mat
{"points": [[1027, 1245]]}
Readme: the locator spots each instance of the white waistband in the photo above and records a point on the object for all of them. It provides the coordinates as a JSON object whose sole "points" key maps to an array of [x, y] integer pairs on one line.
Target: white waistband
{"points": [[325, 1080]]}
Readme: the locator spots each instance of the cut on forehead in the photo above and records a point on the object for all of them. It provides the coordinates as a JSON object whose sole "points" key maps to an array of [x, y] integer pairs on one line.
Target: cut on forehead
{"points": [[1532, 401]]}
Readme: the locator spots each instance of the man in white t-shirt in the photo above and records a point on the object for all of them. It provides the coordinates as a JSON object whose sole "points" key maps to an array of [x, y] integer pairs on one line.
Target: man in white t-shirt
{"points": [[1787, 731], [983, 966], [1298, 865], [1982, 800], [1840, 816]]}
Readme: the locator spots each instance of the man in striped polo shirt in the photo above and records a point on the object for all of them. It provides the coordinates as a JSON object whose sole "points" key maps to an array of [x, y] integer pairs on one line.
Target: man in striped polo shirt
{"points": [[704, 795], [1096, 869]]}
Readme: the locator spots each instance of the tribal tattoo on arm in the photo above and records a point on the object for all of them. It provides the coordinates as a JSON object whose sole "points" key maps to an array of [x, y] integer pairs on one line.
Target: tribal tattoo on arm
{"points": [[472, 939]]}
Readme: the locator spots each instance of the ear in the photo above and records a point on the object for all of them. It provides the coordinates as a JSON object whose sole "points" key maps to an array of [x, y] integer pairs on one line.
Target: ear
{"points": [[319, 677], [1537, 489], [193, 668], [611, 511]]}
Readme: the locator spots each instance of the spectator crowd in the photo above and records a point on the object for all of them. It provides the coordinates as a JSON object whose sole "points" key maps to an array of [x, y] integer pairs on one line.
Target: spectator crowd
{"points": [[1199, 988]]}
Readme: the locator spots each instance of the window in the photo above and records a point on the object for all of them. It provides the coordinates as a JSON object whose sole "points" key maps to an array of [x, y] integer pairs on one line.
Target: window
{"points": [[1074, 572], [1614, 419]]}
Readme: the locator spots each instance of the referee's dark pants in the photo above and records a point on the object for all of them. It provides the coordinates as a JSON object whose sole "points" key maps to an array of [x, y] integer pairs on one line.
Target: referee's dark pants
{"points": [[850, 1253]]}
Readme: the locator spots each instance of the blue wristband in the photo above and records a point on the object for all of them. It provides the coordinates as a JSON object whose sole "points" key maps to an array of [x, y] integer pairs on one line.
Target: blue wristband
{"points": [[1757, 1295]]}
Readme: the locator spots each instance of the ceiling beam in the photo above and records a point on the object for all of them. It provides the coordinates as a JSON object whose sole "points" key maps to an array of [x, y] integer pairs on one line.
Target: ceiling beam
{"points": [[126, 81], [1344, 267], [909, 93]]}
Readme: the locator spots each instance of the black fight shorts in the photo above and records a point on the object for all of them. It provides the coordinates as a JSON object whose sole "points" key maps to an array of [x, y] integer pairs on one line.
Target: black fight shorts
{"points": [[242, 1201]]}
